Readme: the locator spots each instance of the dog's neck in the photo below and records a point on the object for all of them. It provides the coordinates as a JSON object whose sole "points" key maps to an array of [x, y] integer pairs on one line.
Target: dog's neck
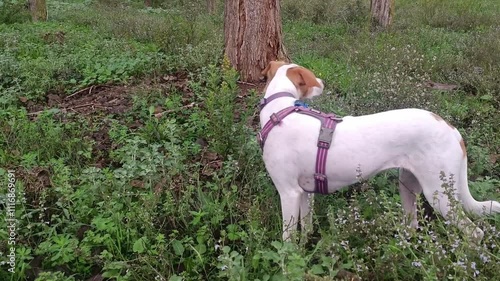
{"points": [[266, 101], [276, 104], [280, 85]]}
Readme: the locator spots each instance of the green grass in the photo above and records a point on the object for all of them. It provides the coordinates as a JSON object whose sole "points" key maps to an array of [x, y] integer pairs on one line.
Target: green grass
{"points": [[185, 196]]}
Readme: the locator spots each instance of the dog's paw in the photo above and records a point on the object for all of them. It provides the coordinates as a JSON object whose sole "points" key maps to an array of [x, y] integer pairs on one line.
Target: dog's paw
{"points": [[477, 236]]}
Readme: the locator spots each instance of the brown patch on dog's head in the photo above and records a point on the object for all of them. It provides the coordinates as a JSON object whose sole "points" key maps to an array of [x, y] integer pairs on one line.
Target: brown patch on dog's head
{"points": [[271, 69], [439, 118], [462, 145], [268, 73], [303, 79]]}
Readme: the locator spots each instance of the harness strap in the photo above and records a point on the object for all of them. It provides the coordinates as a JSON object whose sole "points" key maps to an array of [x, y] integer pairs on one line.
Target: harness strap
{"points": [[275, 120], [324, 142], [328, 124], [264, 101]]}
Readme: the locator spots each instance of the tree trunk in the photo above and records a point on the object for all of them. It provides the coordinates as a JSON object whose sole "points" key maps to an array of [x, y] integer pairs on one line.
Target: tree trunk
{"points": [[148, 3], [382, 12], [38, 10], [253, 36], [211, 6]]}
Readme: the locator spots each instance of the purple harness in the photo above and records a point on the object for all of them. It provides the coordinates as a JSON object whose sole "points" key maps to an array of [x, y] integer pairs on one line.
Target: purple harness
{"points": [[328, 124]]}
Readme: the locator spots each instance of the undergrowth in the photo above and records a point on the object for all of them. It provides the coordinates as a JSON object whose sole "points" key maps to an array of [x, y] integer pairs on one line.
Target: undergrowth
{"points": [[184, 194]]}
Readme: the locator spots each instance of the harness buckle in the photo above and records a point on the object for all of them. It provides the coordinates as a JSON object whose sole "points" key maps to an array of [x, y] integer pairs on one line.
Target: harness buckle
{"points": [[325, 137], [320, 177], [275, 119]]}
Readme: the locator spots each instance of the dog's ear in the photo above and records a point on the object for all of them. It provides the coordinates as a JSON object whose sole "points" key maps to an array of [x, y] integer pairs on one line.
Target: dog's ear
{"points": [[270, 70], [303, 79]]}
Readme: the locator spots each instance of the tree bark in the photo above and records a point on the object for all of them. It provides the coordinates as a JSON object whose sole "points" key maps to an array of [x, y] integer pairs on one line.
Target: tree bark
{"points": [[253, 36], [382, 12], [148, 3], [38, 10]]}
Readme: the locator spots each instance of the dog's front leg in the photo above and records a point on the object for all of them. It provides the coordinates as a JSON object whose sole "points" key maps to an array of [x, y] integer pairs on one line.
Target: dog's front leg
{"points": [[290, 205], [306, 205]]}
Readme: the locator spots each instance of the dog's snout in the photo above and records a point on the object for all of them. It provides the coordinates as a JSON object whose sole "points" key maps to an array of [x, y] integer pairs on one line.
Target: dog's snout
{"points": [[321, 81]]}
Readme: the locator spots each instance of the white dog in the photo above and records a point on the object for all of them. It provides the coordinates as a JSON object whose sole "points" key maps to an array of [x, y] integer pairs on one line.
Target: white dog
{"points": [[418, 142]]}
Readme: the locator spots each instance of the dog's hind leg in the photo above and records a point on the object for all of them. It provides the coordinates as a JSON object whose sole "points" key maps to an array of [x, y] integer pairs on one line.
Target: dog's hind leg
{"points": [[409, 187], [306, 204]]}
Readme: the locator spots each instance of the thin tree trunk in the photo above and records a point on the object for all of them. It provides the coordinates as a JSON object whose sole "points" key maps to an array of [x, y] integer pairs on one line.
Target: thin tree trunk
{"points": [[253, 36], [382, 12], [38, 10], [148, 3]]}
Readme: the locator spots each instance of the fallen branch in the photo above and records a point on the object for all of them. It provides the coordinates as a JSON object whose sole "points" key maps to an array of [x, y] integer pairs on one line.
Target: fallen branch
{"points": [[35, 113], [81, 105], [89, 89], [440, 86], [78, 92], [246, 83]]}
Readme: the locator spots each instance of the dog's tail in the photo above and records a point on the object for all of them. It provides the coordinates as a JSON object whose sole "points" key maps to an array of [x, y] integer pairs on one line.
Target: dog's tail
{"points": [[470, 204]]}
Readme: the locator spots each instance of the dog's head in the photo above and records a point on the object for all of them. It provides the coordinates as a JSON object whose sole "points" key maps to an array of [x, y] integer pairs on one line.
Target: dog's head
{"points": [[304, 81], [271, 69]]}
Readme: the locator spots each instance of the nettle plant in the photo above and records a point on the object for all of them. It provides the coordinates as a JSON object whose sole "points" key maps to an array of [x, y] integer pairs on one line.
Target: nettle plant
{"points": [[218, 88]]}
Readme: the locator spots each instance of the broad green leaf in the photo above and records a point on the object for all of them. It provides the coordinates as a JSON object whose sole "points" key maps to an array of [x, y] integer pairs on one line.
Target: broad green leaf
{"points": [[317, 269], [178, 247], [139, 245]]}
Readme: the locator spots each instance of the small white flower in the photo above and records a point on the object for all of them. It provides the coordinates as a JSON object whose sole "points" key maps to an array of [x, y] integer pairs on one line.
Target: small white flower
{"points": [[484, 258]]}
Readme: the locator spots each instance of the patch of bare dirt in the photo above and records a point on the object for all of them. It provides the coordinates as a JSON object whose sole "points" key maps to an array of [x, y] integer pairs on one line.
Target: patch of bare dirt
{"points": [[95, 99], [108, 99], [35, 180], [103, 145]]}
